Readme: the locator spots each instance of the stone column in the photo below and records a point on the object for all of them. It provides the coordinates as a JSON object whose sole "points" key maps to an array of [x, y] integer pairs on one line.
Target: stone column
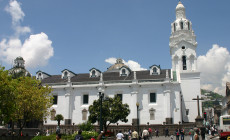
{"points": [[168, 107], [68, 119]]}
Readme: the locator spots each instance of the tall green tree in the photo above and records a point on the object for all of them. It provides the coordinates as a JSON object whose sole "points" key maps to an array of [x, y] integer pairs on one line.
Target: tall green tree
{"points": [[112, 111], [7, 96], [32, 100]]}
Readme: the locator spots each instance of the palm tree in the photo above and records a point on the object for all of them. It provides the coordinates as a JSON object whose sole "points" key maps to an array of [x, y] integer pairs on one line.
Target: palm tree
{"points": [[59, 118]]}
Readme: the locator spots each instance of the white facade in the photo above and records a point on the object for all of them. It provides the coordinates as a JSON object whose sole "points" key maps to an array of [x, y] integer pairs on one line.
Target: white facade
{"points": [[171, 90]]}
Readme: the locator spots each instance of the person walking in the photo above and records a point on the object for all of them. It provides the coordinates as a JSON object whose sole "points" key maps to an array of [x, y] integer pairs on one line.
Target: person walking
{"points": [[79, 136], [150, 132], [202, 129], [191, 133], [134, 135], [58, 136], [182, 134], [145, 134], [196, 136], [166, 132], [177, 133], [119, 135], [157, 132]]}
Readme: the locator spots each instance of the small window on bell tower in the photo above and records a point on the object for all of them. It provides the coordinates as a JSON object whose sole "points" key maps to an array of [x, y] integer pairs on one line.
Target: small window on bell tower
{"points": [[174, 26], [183, 47], [188, 25], [181, 25], [184, 63]]}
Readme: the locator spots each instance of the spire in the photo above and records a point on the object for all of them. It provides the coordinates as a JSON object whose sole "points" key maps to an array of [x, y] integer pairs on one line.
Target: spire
{"points": [[180, 11]]}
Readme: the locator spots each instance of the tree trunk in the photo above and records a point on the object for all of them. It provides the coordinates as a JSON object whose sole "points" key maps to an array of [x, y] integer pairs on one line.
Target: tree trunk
{"points": [[59, 122]]}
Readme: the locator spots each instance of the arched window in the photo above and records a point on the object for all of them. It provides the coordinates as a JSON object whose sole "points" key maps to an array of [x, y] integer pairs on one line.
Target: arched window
{"points": [[181, 25], [93, 73], [123, 72], [174, 26], [184, 63], [154, 70], [53, 113], [39, 76], [188, 25], [65, 75]]}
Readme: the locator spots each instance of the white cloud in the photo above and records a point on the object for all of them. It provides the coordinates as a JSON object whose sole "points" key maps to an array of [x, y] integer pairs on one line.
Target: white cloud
{"points": [[111, 60], [36, 50], [134, 66], [15, 11], [215, 69]]}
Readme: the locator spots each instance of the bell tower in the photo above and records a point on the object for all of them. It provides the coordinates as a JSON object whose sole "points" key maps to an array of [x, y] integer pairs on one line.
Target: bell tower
{"points": [[182, 42], [183, 46]]}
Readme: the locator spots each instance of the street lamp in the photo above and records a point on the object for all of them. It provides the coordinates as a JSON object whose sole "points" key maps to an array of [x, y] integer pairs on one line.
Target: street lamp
{"points": [[101, 96], [137, 104]]}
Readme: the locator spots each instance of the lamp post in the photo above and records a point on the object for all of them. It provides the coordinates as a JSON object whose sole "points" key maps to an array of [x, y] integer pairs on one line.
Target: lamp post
{"points": [[101, 95], [137, 104]]}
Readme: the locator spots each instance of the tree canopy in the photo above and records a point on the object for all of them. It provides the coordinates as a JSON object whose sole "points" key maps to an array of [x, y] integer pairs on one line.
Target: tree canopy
{"points": [[112, 111], [59, 118], [23, 99]]}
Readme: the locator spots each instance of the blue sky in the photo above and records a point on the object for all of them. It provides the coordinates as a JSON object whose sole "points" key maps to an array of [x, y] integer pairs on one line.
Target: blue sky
{"points": [[81, 34]]}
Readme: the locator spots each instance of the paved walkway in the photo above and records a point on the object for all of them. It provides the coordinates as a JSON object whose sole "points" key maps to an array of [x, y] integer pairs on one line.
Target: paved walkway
{"points": [[207, 137]]}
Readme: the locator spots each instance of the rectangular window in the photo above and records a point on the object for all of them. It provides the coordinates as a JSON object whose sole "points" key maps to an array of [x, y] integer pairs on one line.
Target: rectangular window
{"points": [[55, 99], [120, 96], [152, 97], [85, 99], [187, 112]]}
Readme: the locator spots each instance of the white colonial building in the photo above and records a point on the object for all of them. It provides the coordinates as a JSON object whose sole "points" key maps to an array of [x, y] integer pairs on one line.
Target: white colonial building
{"points": [[164, 95]]}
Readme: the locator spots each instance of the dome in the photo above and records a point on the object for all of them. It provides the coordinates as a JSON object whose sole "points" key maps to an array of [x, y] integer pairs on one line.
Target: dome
{"points": [[179, 6], [19, 58], [116, 67], [19, 69]]}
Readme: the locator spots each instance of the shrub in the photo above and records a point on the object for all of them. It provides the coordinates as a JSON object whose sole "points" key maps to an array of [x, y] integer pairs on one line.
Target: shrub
{"points": [[87, 134], [86, 126]]}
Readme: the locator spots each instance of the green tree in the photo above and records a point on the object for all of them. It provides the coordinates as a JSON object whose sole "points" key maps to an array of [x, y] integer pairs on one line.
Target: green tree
{"points": [[59, 118], [112, 111], [7, 96], [31, 101]]}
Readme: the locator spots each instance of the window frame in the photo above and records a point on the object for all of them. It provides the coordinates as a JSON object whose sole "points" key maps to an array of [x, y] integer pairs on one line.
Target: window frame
{"points": [[83, 99], [55, 99], [155, 101]]}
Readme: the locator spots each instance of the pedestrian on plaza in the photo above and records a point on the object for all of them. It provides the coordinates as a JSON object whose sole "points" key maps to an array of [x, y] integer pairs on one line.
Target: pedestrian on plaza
{"points": [[166, 132], [196, 136], [157, 132], [119, 135], [58, 130], [177, 133], [182, 134], [150, 132], [203, 133], [145, 134], [191, 133], [134, 135], [79, 136], [212, 131], [100, 135], [130, 134], [92, 138], [58, 136]]}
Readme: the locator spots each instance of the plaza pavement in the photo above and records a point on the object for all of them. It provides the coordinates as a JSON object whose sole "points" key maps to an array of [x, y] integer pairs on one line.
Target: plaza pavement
{"points": [[207, 137]]}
